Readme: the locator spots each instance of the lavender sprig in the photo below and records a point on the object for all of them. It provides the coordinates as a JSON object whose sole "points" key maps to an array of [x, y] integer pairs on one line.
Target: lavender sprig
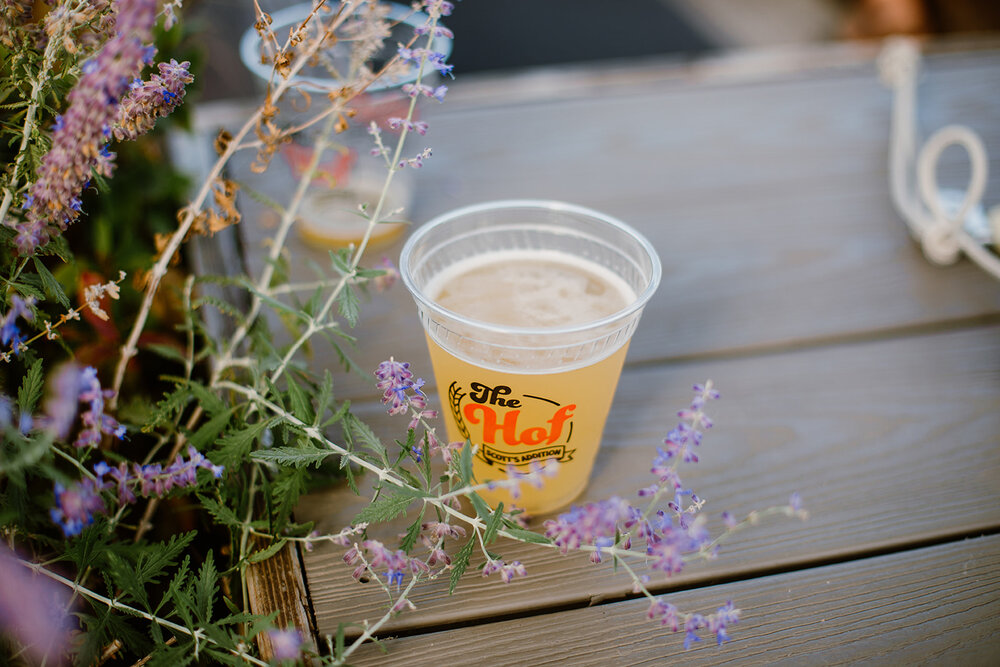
{"points": [[77, 505], [79, 139], [149, 100]]}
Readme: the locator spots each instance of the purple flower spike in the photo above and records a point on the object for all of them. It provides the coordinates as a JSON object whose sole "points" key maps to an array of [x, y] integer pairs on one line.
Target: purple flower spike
{"points": [[95, 422], [400, 390], [587, 524], [148, 101], [76, 506], [9, 332], [725, 616], [79, 137]]}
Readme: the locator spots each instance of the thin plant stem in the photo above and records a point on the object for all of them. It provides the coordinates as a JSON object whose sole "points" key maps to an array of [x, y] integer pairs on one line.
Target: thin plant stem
{"points": [[197, 634], [159, 269]]}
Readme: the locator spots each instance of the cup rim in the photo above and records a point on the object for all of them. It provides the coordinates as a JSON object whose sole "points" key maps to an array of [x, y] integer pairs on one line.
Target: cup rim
{"points": [[283, 18], [624, 314]]}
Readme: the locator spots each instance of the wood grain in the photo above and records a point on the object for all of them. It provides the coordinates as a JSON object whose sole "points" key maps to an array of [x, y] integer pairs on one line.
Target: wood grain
{"points": [[938, 605], [852, 370], [278, 585], [890, 442], [766, 198]]}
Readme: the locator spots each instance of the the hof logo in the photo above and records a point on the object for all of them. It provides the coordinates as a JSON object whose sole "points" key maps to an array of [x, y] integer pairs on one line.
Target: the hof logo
{"points": [[512, 430]]}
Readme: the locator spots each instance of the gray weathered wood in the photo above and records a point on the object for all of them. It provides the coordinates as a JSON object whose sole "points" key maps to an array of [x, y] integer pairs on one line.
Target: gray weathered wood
{"points": [[766, 196], [890, 442], [852, 370], [939, 605]]}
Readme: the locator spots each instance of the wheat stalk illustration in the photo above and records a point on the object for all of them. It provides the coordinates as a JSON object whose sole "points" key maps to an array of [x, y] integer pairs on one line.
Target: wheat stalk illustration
{"points": [[455, 396]]}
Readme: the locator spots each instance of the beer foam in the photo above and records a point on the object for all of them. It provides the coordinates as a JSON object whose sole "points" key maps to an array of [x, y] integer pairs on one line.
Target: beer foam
{"points": [[530, 288]]}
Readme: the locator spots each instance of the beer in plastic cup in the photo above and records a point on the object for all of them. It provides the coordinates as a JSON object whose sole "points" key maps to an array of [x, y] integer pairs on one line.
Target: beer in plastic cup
{"points": [[528, 307]]}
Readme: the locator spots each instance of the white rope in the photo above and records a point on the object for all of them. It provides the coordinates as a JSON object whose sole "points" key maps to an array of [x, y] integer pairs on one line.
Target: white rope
{"points": [[937, 225]]}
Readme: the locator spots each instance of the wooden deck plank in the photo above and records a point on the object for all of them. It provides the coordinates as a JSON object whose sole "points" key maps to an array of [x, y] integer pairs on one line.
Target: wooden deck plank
{"points": [[938, 605], [890, 442], [768, 202]]}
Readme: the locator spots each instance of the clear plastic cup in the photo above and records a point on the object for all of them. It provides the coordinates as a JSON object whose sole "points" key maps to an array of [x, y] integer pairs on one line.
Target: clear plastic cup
{"points": [[527, 370]]}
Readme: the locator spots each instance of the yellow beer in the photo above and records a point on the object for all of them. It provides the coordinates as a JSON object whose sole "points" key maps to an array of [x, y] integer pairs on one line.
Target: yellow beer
{"points": [[526, 411], [528, 307]]}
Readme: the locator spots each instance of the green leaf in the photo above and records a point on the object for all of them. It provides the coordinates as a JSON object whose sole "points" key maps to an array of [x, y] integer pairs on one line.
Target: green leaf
{"points": [[177, 584], [349, 472], [299, 401], [211, 403], [388, 506], [234, 447], [263, 554], [204, 589], [298, 457], [27, 451], [220, 512], [358, 431], [338, 645], [493, 525], [166, 351], [171, 405], [284, 493], [482, 509], [211, 429], [323, 397], [50, 284], [341, 260], [279, 306], [88, 549], [460, 562], [336, 416], [413, 532], [222, 305], [127, 579], [31, 388], [465, 464], [349, 305], [152, 562]]}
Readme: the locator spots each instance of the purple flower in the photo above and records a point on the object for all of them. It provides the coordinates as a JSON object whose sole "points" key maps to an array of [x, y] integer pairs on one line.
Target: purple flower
{"points": [[507, 570], [399, 390], [64, 397], [94, 421], [432, 58], [389, 277], [396, 564], [725, 616], [437, 8], [33, 609], [148, 101], [82, 131], [76, 506], [417, 161], [438, 31], [587, 524], [665, 612], [438, 530], [417, 89], [693, 622], [286, 644], [795, 501], [9, 332], [394, 123]]}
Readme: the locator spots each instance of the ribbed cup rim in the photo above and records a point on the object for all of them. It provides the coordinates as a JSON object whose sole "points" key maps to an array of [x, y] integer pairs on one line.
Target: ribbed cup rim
{"points": [[405, 260]]}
